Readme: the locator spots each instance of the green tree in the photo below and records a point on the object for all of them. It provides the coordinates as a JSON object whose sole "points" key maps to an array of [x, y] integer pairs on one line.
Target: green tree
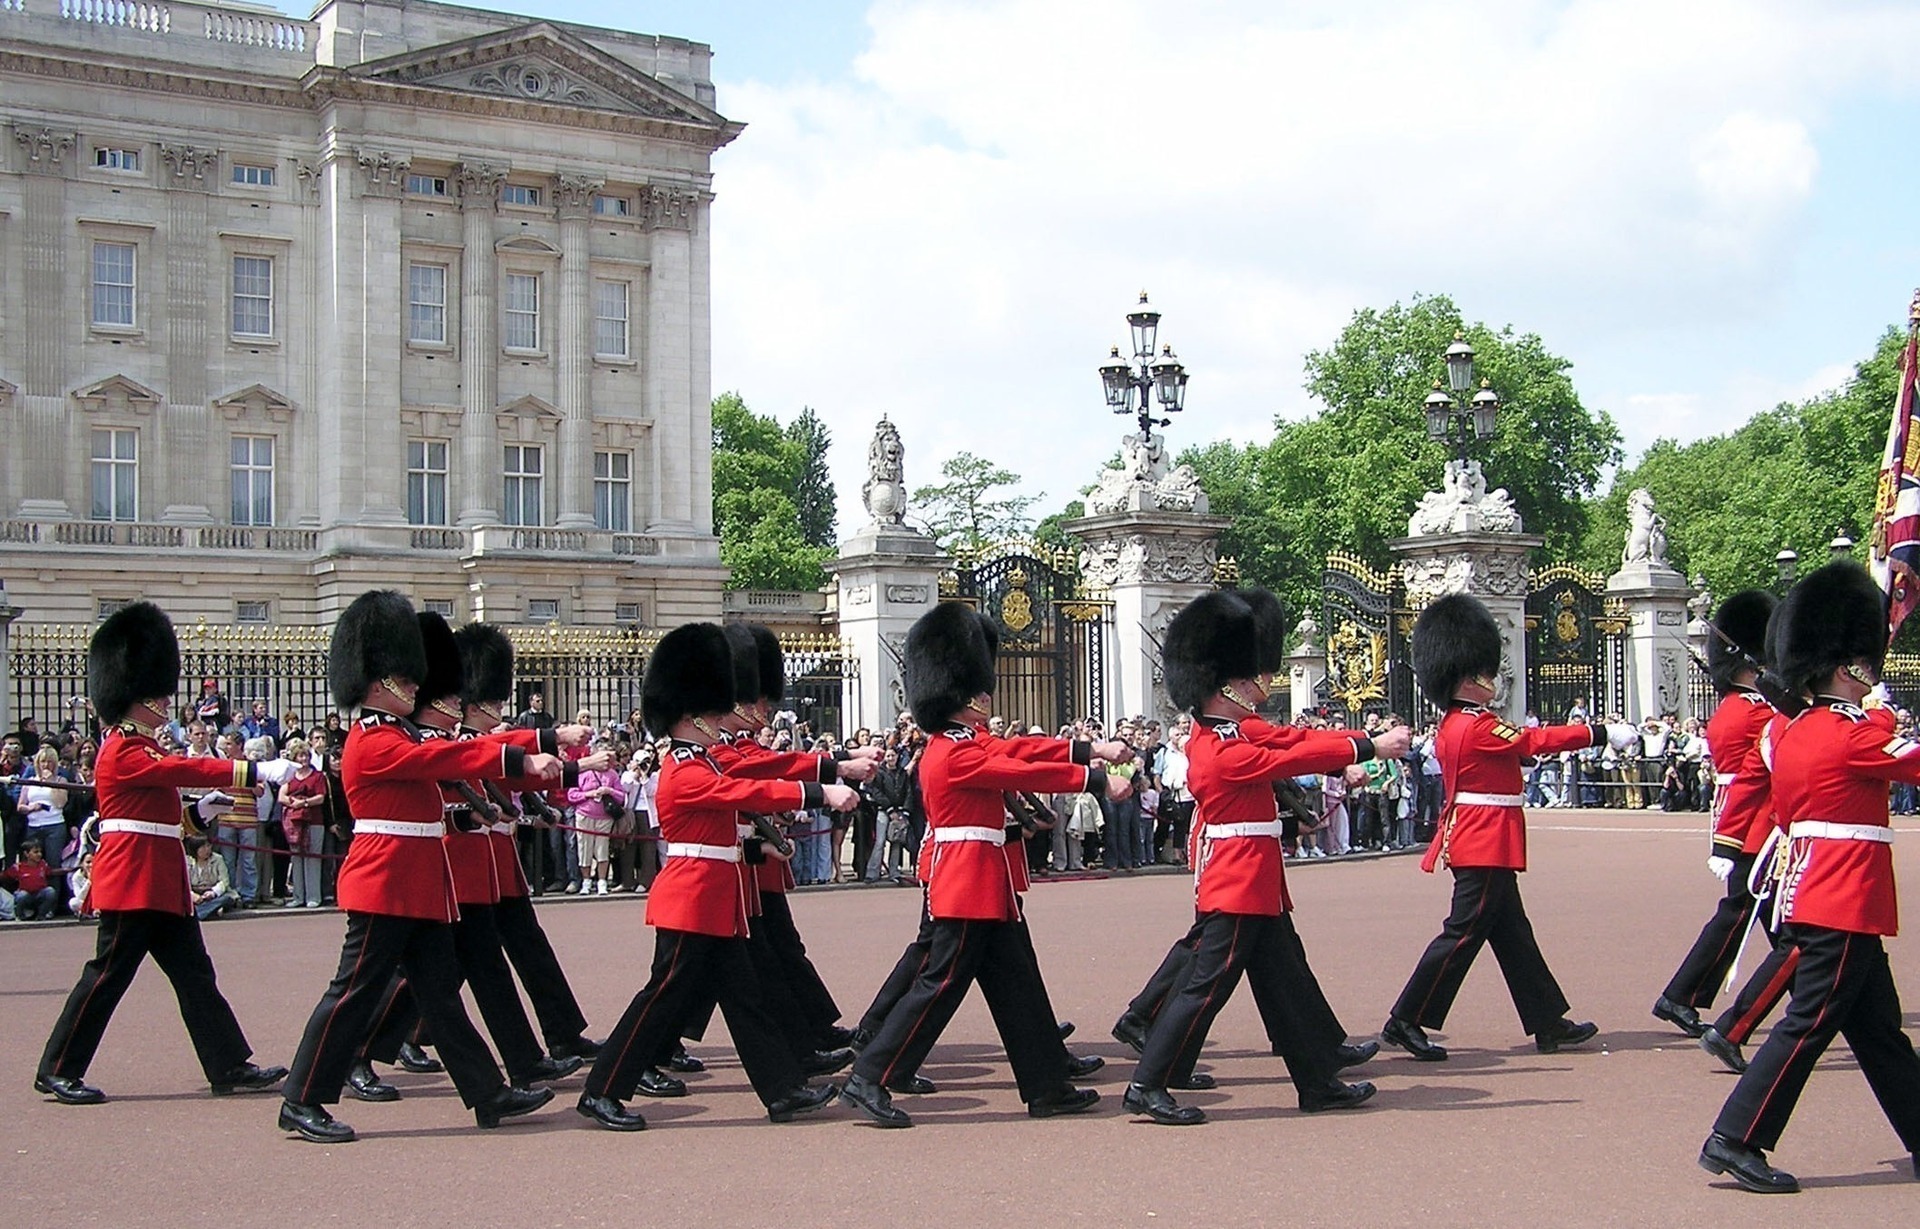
{"points": [[815, 496], [972, 507], [1348, 477], [1052, 528], [758, 475], [1791, 477]]}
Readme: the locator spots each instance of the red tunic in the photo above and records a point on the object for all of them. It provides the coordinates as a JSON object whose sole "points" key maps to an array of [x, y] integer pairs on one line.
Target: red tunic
{"points": [[1831, 765], [963, 773], [1231, 779], [697, 805], [390, 774], [743, 757], [1480, 753], [137, 781], [1742, 805], [507, 871]]}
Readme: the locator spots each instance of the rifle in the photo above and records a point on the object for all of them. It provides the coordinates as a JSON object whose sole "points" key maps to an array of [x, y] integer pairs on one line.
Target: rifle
{"points": [[54, 783]]}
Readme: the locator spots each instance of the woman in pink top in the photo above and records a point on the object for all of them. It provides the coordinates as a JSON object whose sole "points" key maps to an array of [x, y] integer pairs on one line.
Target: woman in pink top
{"points": [[590, 798]]}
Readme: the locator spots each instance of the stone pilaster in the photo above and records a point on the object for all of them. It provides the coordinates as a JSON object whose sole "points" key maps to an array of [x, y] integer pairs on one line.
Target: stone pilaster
{"points": [[1492, 566], [479, 469], [194, 491], [573, 350], [1306, 670], [44, 413], [1656, 597], [888, 576], [681, 427]]}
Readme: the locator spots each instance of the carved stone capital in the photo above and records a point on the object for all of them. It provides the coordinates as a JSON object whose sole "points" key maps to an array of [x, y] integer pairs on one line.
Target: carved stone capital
{"points": [[670, 208], [478, 184], [382, 172], [573, 194], [188, 165], [45, 149], [308, 176]]}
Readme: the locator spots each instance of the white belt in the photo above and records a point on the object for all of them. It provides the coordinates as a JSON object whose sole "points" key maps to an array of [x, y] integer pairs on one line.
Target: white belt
{"points": [[1725, 778], [743, 831], [503, 828], [991, 836], [1221, 832], [713, 853], [1489, 800], [398, 827], [1820, 828], [140, 826]]}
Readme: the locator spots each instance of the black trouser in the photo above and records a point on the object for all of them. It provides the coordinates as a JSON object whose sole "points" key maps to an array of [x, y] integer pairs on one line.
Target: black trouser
{"points": [[1486, 909], [125, 937], [483, 966], [1698, 978], [865, 825], [1769, 984], [526, 945], [810, 993], [1229, 945], [1843, 986], [687, 970], [1309, 1000], [377, 945], [999, 955], [901, 979]]}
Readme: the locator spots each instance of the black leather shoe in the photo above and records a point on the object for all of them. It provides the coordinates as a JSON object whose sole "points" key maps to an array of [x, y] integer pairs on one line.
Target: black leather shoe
{"points": [[1159, 1105], [835, 1037], [1681, 1016], [417, 1060], [1080, 1066], [1746, 1165], [657, 1083], [1413, 1039], [873, 1101], [914, 1086], [802, 1100], [68, 1090], [1066, 1029], [547, 1070], [1336, 1096], [1352, 1056], [1064, 1100], [579, 1047], [1131, 1031], [609, 1113], [1563, 1033], [1714, 1042], [248, 1078], [859, 1040], [315, 1123], [509, 1102], [363, 1083], [684, 1062], [826, 1062], [1198, 1081]]}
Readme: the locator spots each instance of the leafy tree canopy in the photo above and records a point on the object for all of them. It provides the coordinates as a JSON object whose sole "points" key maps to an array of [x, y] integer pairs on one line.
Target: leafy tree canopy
{"points": [[760, 478], [973, 506]]}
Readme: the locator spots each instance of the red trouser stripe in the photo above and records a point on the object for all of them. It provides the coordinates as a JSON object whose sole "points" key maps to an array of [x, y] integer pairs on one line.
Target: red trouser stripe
{"points": [[306, 1089], [965, 929], [1441, 976], [1233, 949], [672, 968], [106, 963], [1777, 986], [1833, 987]]}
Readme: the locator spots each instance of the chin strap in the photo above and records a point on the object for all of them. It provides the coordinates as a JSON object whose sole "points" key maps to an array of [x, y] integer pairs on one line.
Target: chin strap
{"points": [[1233, 697]]}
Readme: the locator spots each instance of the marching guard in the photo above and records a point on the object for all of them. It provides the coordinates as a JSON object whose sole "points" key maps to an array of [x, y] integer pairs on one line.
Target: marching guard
{"points": [[139, 871], [395, 886], [1483, 834], [1831, 766], [1215, 669]]}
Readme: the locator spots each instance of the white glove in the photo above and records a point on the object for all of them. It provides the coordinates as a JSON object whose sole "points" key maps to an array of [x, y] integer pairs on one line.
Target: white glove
{"points": [[1721, 867], [1879, 697], [1623, 737], [212, 806]]}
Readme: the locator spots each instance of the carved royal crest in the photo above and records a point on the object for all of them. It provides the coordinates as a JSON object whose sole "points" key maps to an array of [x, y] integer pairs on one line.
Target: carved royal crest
{"points": [[1016, 608], [1356, 666]]}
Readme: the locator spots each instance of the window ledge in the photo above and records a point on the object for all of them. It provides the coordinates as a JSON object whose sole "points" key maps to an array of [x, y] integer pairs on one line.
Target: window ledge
{"points": [[240, 341], [117, 332], [614, 360], [524, 355], [430, 347]]}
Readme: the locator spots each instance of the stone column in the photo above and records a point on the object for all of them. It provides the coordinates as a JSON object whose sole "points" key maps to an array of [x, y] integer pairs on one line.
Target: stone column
{"points": [[190, 491], [679, 431], [1656, 598], [1151, 561], [47, 158], [888, 576], [479, 187], [1306, 665], [8, 613], [573, 350], [1492, 565]]}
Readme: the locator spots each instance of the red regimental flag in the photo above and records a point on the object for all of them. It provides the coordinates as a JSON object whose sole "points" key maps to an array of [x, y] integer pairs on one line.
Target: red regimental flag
{"points": [[1896, 513]]}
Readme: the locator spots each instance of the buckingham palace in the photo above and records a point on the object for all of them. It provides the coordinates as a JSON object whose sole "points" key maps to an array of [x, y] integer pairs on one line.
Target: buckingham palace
{"points": [[401, 294]]}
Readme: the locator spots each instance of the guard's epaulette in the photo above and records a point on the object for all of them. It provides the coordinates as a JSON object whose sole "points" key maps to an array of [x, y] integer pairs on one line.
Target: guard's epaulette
{"points": [[373, 719], [1753, 697], [1473, 710], [1502, 729], [959, 733], [683, 754], [1227, 729], [1852, 712]]}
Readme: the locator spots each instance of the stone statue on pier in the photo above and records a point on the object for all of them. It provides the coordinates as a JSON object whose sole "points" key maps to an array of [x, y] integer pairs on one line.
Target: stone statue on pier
{"points": [[1142, 481], [885, 491], [1463, 504], [1646, 531]]}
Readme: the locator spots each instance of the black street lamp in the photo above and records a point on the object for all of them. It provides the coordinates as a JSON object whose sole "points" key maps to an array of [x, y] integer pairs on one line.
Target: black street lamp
{"points": [[1131, 385], [1786, 565], [1454, 418]]}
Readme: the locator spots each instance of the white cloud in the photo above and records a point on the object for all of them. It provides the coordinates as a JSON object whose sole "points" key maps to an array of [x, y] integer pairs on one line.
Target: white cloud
{"points": [[953, 235]]}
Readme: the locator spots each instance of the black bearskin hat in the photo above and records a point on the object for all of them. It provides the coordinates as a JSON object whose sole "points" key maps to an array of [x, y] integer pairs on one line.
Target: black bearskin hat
{"points": [[486, 664], [949, 661], [991, 631], [690, 673], [1271, 621], [445, 672], [1454, 639], [1834, 616], [773, 663], [1741, 619], [746, 662], [376, 637], [133, 657], [1214, 638]]}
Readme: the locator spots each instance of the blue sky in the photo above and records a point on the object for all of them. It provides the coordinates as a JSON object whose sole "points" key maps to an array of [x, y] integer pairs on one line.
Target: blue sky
{"points": [[941, 209]]}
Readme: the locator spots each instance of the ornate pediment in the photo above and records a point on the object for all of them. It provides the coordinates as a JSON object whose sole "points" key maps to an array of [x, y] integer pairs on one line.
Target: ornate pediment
{"points": [[530, 406], [540, 63], [8, 391], [118, 392], [256, 400], [526, 245]]}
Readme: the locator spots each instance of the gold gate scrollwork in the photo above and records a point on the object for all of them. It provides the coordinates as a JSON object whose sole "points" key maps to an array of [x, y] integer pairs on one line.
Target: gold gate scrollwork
{"points": [[1356, 666]]}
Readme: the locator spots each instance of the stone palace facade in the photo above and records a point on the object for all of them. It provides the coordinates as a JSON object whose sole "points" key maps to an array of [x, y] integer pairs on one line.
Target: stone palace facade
{"points": [[403, 294]]}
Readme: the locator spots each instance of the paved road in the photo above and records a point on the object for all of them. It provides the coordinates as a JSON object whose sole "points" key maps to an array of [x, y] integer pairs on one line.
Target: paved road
{"points": [[1500, 1135]]}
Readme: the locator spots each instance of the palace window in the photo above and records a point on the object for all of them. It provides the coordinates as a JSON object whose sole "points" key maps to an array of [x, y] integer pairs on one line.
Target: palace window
{"points": [[521, 496], [610, 319], [113, 284], [116, 159], [521, 328], [426, 185], [252, 176], [613, 491], [251, 465], [543, 610], [612, 206], [116, 474], [253, 296], [427, 304], [426, 482], [251, 612], [519, 194]]}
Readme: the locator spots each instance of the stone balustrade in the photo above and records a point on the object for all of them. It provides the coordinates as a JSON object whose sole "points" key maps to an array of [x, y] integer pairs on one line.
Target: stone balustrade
{"points": [[199, 33], [142, 535]]}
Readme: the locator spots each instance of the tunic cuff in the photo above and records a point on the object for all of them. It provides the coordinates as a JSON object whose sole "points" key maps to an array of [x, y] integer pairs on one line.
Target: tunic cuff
{"points": [[1598, 731], [513, 760], [1096, 782], [1363, 749], [829, 770], [550, 741], [569, 773], [811, 795], [1082, 752], [840, 753]]}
